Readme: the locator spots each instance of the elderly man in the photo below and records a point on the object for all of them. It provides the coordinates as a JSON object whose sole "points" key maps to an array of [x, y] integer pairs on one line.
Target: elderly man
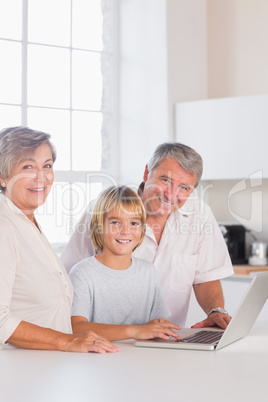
{"points": [[182, 238]]}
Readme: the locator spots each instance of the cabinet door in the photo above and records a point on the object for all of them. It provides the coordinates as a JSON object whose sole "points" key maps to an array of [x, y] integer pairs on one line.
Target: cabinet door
{"points": [[231, 135]]}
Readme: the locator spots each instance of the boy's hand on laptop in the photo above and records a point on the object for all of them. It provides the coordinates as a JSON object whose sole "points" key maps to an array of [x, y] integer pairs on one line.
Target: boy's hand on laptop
{"points": [[214, 320], [157, 328]]}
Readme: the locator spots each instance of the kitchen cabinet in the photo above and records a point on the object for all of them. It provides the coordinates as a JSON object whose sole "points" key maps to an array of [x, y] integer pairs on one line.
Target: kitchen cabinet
{"points": [[231, 135]]}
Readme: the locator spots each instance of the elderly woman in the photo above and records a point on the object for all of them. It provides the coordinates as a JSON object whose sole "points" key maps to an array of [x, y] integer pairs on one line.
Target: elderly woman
{"points": [[35, 291]]}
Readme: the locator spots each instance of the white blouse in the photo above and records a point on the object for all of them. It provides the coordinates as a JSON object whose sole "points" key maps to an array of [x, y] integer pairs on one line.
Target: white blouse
{"points": [[34, 285]]}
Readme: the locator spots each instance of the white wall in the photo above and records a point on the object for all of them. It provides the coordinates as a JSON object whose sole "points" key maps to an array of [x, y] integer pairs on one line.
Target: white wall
{"points": [[143, 84], [237, 66], [187, 53], [178, 50], [163, 59], [237, 47]]}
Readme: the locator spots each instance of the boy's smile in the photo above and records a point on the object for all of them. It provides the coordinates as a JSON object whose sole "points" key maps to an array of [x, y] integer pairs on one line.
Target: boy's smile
{"points": [[122, 231]]}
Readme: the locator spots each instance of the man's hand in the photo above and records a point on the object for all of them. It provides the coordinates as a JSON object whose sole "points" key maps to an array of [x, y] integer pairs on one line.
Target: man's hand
{"points": [[215, 319], [209, 295]]}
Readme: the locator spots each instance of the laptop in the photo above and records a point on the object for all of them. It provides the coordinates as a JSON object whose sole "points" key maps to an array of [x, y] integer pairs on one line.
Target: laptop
{"points": [[239, 326]]}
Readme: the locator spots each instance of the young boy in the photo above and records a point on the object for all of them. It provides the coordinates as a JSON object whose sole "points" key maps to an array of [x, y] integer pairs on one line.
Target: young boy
{"points": [[115, 294]]}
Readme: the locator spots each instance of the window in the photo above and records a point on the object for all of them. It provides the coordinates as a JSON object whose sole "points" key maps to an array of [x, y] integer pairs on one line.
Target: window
{"points": [[57, 74]]}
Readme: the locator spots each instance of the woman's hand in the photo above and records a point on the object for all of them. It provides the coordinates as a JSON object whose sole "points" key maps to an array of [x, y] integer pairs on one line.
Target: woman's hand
{"points": [[89, 342], [157, 328]]}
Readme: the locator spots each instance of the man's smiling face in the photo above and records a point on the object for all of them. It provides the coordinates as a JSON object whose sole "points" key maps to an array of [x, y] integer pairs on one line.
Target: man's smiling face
{"points": [[166, 188]]}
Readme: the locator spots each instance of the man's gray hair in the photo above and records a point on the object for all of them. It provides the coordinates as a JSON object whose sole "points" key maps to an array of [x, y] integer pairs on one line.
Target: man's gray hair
{"points": [[184, 155], [16, 143]]}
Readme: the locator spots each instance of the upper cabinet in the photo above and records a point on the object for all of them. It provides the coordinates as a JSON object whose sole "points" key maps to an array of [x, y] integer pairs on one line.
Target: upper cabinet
{"points": [[231, 135]]}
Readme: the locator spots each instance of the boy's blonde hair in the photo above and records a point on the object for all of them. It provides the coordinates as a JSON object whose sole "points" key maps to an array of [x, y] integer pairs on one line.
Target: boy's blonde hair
{"points": [[114, 197]]}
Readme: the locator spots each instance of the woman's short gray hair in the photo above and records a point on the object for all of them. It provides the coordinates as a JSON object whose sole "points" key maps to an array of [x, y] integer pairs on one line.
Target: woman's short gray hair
{"points": [[18, 142], [184, 155]]}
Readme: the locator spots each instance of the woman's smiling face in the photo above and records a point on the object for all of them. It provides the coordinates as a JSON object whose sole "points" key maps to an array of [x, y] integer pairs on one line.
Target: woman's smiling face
{"points": [[30, 181]]}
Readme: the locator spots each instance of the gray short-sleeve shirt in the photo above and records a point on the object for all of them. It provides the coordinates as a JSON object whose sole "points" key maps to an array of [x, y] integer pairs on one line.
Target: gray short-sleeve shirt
{"points": [[105, 295]]}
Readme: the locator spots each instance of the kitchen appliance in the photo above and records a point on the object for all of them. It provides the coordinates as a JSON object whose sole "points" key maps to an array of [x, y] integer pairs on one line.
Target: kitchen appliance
{"points": [[235, 238], [258, 253]]}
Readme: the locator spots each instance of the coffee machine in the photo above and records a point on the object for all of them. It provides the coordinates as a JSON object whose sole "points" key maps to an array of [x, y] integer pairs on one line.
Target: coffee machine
{"points": [[235, 238]]}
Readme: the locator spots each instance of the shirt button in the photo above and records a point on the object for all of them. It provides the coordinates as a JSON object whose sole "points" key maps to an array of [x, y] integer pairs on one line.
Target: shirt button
{"points": [[60, 273]]}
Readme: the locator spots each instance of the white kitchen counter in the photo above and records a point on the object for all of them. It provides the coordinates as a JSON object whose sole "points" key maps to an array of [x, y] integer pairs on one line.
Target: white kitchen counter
{"points": [[235, 373]]}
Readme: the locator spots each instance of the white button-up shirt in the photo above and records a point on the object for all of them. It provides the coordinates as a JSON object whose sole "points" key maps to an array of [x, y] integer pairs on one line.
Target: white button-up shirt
{"points": [[192, 250], [34, 285]]}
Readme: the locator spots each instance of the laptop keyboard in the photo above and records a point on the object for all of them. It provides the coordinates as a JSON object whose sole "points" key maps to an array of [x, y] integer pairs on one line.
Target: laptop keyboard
{"points": [[203, 337]]}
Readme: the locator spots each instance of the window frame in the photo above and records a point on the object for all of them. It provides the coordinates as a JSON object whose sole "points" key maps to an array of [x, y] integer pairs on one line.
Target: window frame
{"points": [[112, 164]]}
